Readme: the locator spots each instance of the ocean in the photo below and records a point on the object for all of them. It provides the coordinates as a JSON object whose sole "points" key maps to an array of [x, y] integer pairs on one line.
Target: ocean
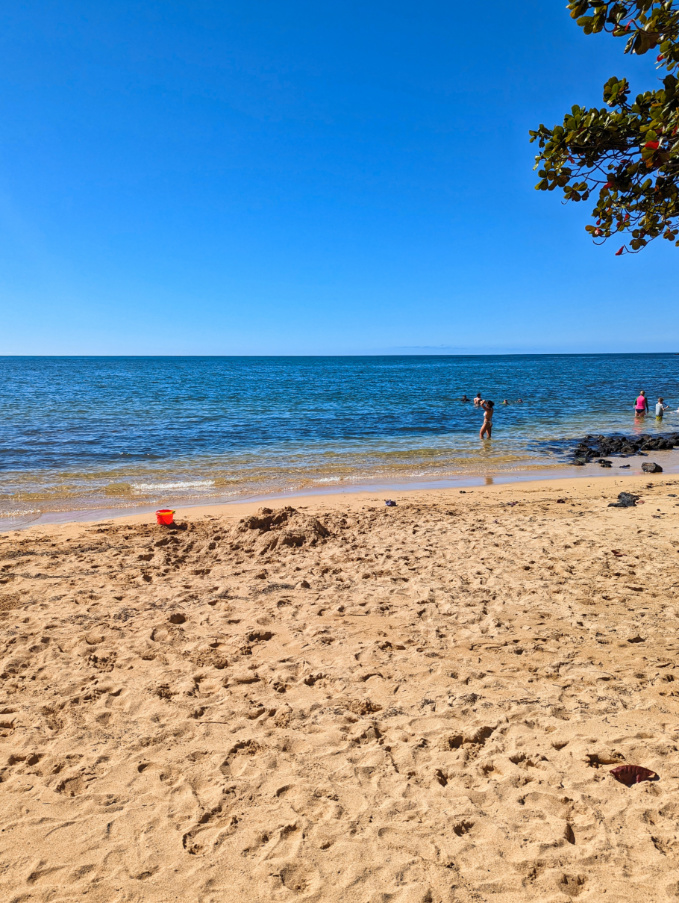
{"points": [[88, 434]]}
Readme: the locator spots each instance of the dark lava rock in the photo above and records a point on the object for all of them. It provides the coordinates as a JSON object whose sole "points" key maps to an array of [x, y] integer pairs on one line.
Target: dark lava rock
{"points": [[593, 448], [605, 463], [625, 500], [649, 467]]}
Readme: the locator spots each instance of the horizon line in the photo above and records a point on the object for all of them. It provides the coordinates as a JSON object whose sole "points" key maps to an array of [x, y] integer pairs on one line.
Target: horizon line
{"points": [[376, 354]]}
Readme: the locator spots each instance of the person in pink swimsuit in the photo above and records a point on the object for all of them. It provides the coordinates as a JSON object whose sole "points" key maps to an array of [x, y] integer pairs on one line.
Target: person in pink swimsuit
{"points": [[641, 404]]}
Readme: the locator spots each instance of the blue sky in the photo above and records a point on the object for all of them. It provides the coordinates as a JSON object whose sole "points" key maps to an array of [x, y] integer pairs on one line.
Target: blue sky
{"points": [[216, 177]]}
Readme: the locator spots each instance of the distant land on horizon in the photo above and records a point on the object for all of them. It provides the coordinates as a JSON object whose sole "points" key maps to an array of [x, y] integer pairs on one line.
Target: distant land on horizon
{"points": [[408, 351]]}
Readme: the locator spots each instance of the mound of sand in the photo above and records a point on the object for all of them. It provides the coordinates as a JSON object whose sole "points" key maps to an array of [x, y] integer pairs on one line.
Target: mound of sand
{"points": [[268, 529]]}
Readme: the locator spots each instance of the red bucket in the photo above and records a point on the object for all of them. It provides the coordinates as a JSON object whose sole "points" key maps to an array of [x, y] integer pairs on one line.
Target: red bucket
{"points": [[165, 517]]}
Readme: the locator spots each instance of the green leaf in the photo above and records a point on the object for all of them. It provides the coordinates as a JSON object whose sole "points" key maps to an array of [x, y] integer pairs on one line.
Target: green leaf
{"points": [[643, 197]]}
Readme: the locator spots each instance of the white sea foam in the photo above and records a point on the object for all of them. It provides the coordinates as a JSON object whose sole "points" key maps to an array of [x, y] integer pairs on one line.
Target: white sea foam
{"points": [[173, 487], [18, 513]]}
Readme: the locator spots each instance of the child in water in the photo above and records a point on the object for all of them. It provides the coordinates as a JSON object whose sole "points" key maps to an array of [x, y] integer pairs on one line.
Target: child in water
{"points": [[487, 428]]}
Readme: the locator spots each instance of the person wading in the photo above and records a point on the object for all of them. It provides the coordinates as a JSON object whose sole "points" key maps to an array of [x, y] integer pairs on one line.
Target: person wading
{"points": [[487, 428], [641, 404]]}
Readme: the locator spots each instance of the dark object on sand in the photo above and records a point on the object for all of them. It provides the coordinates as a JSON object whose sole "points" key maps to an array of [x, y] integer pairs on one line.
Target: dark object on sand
{"points": [[624, 466], [390, 504], [649, 467], [633, 774], [625, 500], [605, 463]]}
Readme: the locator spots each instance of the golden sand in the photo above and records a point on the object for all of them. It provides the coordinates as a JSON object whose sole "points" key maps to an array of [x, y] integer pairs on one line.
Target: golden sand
{"points": [[346, 703]]}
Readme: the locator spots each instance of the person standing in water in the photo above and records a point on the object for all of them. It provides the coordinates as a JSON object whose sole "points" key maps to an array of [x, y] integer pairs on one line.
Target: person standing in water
{"points": [[487, 428], [641, 404], [660, 409], [478, 401]]}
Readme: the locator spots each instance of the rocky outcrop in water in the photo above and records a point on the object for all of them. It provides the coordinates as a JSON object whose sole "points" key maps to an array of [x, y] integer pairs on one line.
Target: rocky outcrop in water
{"points": [[593, 448]]}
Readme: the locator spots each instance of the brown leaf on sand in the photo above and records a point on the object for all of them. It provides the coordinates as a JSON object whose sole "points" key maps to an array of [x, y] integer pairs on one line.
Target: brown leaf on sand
{"points": [[633, 774]]}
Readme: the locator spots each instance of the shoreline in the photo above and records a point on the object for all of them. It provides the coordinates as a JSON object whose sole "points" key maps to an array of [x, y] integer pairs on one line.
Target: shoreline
{"points": [[668, 460], [568, 479], [586, 459]]}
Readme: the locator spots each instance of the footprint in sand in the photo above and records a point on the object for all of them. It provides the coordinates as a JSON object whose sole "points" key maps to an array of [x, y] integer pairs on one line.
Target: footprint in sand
{"points": [[242, 749], [72, 786], [571, 885], [297, 878]]}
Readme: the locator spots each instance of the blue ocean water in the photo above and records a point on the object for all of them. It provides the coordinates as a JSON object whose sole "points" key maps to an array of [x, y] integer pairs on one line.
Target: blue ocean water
{"points": [[92, 433]]}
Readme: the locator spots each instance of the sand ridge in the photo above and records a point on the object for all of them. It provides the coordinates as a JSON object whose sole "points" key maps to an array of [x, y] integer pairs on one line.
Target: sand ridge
{"points": [[342, 701]]}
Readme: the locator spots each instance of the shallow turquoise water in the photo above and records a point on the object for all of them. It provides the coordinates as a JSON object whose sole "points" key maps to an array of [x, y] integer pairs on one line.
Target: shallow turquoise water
{"points": [[91, 433]]}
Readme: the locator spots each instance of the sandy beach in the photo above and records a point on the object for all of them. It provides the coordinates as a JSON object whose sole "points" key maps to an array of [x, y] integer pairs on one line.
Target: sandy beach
{"points": [[342, 701]]}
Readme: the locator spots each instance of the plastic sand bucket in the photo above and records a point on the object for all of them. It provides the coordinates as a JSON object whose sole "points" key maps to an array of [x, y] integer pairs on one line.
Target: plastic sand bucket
{"points": [[165, 516]]}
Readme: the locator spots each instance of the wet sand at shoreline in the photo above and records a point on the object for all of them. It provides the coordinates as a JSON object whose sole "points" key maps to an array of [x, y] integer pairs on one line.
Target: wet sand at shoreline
{"points": [[530, 473], [345, 701]]}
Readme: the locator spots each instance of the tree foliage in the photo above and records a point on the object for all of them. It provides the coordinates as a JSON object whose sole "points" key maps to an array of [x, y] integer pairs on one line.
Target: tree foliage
{"points": [[626, 154]]}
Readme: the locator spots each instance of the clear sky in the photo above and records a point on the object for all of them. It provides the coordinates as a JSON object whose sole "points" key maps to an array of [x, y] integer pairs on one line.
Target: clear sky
{"points": [[260, 177]]}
